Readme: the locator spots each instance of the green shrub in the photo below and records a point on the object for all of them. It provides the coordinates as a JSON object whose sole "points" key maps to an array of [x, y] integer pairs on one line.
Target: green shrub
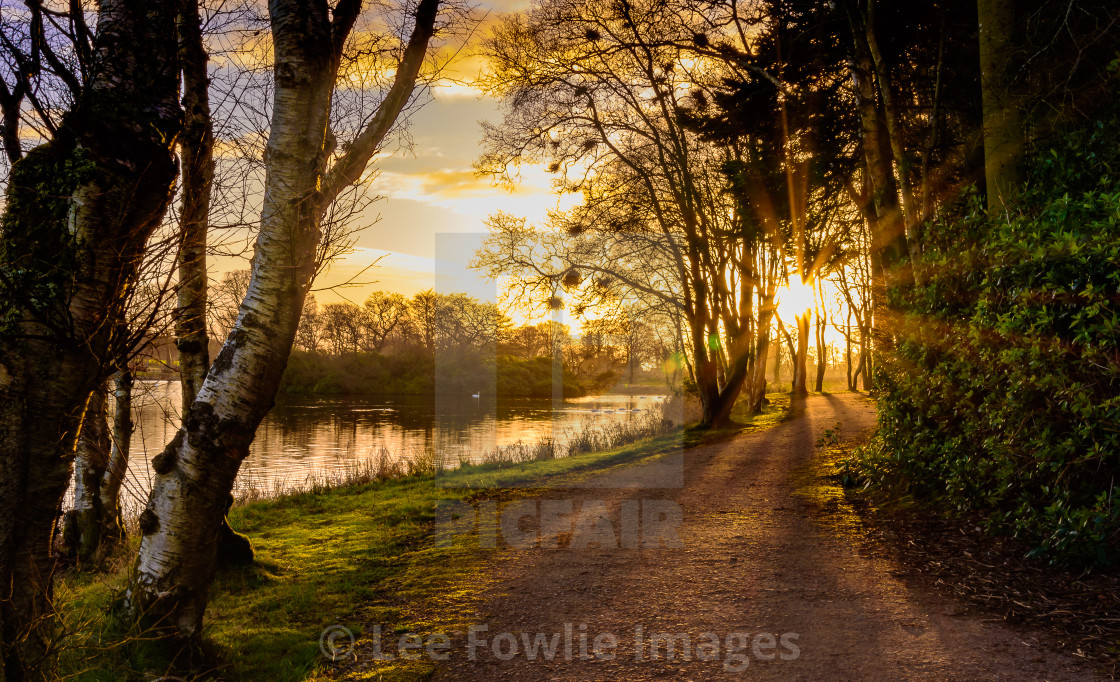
{"points": [[1003, 392]]}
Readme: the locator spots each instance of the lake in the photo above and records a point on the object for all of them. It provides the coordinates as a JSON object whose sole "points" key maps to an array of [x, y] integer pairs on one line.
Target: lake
{"points": [[306, 436]]}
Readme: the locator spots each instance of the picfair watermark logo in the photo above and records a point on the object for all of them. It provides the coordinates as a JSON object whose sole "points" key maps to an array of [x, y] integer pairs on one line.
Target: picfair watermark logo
{"points": [[561, 524]]}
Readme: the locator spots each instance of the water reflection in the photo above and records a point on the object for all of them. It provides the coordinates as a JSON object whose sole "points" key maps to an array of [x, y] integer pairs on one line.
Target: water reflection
{"points": [[303, 436]]}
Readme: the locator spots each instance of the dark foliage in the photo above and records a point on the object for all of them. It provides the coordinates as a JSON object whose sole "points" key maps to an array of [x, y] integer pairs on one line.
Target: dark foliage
{"points": [[1004, 392]]}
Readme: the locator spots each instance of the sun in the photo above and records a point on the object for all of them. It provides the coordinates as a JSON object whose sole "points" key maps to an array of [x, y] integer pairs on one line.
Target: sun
{"points": [[793, 300]]}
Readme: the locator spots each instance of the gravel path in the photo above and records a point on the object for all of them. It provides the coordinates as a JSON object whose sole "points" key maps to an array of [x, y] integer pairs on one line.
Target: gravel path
{"points": [[759, 585]]}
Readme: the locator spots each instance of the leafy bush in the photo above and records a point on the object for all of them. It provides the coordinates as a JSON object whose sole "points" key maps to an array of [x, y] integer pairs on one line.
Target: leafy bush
{"points": [[1003, 392]]}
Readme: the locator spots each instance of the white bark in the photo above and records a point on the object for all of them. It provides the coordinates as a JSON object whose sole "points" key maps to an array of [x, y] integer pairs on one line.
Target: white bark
{"points": [[83, 536], [118, 458], [196, 471]]}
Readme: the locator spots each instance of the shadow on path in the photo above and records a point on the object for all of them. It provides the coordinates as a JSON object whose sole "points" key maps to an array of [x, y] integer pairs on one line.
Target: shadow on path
{"points": [[756, 588]]}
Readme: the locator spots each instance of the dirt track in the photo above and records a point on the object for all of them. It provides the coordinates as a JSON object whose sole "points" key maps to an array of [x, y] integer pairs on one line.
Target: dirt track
{"points": [[756, 559]]}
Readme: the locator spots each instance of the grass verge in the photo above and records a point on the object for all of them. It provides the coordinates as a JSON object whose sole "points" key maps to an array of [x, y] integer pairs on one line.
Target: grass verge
{"points": [[349, 555]]}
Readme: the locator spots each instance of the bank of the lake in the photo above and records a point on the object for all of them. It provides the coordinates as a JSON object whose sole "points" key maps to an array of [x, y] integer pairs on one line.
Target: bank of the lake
{"points": [[317, 436], [353, 555]]}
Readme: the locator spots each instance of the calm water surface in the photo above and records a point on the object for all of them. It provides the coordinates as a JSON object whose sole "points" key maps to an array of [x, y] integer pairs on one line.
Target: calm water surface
{"points": [[305, 436]]}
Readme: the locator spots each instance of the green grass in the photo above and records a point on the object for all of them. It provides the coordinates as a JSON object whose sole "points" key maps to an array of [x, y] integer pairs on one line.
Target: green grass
{"points": [[353, 556]]}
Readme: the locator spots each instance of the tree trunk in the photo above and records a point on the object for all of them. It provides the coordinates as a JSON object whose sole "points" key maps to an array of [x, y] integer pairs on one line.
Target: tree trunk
{"points": [[112, 518], [716, 401], [822, 361], [195, 473], [848, 352], [717, 398], [762, 350], [778, 362], [78, 213], [736, 377], [95, 524], [791, 348], [901, 166], [630, 360], [707, 381], [801, 359], [888, 239], [82, 529], [865, 358], [196, 150], [934, 125], [1003, 131]]}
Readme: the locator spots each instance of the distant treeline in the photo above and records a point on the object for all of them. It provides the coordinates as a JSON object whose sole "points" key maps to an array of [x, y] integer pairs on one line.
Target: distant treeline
{"points": [[413, 372], [453, 343]]}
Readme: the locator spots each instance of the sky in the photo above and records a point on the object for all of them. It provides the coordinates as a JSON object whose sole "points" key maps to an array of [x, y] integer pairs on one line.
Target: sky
{"points": [[430, 220], [434, 203]]}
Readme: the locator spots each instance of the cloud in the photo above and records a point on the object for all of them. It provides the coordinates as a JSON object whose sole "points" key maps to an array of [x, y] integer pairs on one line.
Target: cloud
{"points": [[454, 90], [435, 187], [461, 191], [456, 183]]}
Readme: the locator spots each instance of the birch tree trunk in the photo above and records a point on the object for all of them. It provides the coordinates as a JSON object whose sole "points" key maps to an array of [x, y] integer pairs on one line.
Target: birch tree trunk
{"points": [[95, 524], [82, 529], [112, 519], [78, 213], [196, 149], [195, 473], [197, 152]]}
